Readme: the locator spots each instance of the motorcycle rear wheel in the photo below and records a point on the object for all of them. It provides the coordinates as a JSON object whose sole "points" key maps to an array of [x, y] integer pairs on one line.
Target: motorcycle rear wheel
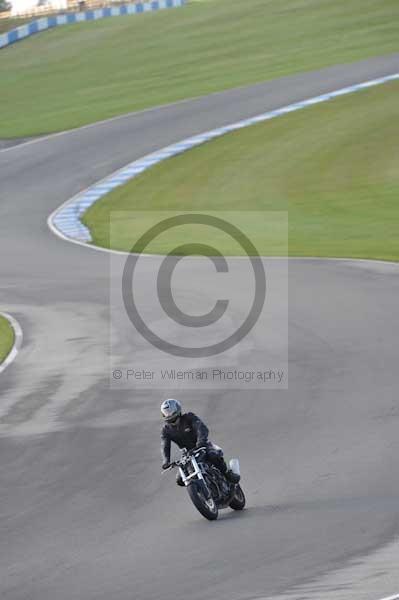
{"points": [[207, 507], [238, 501]]}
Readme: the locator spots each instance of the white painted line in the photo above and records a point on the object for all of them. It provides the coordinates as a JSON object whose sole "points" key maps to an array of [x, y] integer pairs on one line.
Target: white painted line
{"points": [[65, 221], [18, 338], [391, 597]]}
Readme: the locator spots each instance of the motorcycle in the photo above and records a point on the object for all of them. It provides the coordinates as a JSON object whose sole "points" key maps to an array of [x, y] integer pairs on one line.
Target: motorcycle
{"points": [[207, 487]]}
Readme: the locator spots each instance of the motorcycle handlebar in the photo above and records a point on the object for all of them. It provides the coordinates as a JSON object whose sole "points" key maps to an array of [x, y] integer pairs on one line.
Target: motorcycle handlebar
{"points": [[194, 452], [176, 463], [200, 449]]}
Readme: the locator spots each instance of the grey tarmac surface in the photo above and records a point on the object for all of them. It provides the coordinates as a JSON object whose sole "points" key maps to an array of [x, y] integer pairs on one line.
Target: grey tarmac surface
{"points": [[84, 513], [8, 143]]}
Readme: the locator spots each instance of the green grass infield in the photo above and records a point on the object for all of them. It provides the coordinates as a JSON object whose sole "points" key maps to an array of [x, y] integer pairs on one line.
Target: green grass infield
{"points": [[332, 168], [6, 338], [77, 74]]}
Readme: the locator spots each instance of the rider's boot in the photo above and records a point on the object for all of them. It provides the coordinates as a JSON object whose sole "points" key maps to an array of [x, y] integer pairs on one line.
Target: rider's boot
{"points": [[231, 476], [218, 461], [179, 480], [228, 473]]}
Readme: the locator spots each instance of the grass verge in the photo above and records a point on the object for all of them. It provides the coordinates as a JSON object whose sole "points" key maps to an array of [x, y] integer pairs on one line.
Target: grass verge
{"points": [[77, 74], [332, 168], [6, 338]]}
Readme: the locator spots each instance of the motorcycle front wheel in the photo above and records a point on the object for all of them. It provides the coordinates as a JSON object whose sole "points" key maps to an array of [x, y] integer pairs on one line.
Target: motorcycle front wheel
{"points": [[206, 506]]}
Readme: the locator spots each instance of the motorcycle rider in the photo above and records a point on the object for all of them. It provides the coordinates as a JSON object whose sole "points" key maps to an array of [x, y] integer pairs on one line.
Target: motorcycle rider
{"points": [[187, 430]]}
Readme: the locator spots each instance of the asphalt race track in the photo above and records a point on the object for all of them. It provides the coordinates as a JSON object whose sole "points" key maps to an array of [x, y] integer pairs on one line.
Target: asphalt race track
{"points": [[84, 512]]}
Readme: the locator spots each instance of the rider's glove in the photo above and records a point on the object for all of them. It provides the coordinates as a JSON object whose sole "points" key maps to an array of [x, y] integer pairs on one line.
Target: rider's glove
{"points": [[165, 464]]}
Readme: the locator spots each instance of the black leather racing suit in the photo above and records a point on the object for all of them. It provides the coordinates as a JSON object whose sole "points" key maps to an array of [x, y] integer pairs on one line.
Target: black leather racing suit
{"points": [[188, 432]]}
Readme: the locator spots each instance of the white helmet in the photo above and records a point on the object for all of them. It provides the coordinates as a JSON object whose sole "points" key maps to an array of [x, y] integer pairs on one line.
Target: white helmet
{"points": [[171, 410]]}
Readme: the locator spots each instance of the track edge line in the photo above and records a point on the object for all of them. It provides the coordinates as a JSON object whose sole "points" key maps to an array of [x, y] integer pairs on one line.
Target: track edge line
{"points": [[146, 162]]}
